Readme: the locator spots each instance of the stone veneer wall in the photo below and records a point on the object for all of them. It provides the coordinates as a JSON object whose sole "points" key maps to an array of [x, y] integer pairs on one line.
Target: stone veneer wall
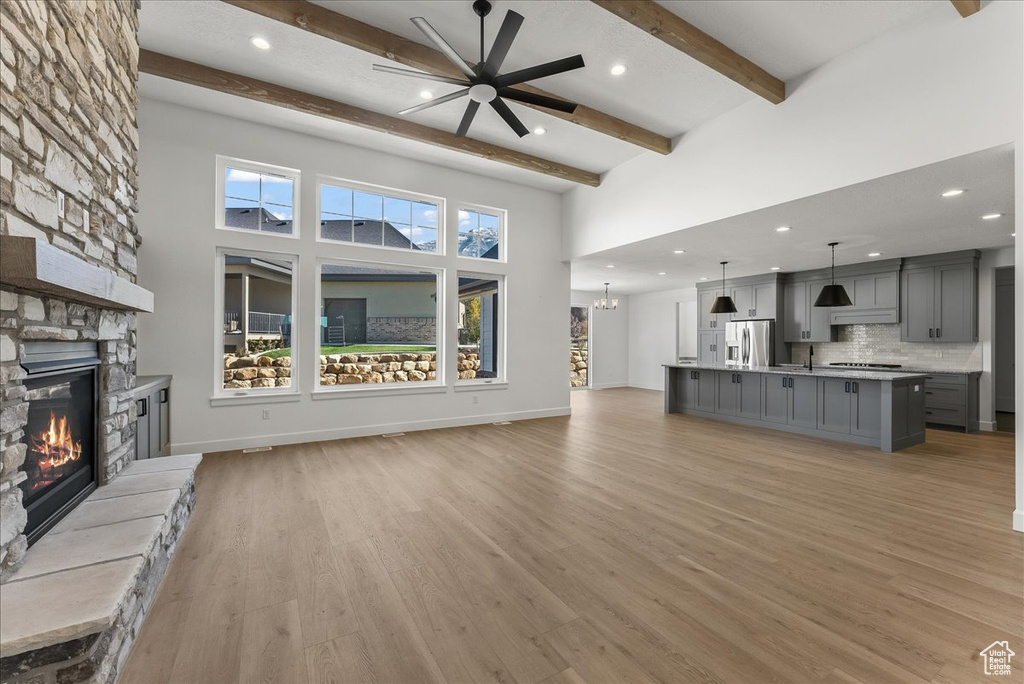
{"points": [[577, 368], [68, 73], [880, 343], [405, 329]]}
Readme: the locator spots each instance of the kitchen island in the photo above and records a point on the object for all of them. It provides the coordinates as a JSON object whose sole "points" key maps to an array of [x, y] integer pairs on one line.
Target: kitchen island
{"points": [[874, 408]]}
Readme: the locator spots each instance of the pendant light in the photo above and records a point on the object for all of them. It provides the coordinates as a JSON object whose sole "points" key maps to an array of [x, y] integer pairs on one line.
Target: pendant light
{"points": [[606, 304], [723, 303], [833, 295]]}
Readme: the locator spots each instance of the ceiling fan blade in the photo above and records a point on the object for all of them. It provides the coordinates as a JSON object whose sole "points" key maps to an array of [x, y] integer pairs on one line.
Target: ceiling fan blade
{"points": [[418, 74], [467, 118], [539, 100], [498, 105], [442, 45], [436, 101], [540, 71], [502, 43]]}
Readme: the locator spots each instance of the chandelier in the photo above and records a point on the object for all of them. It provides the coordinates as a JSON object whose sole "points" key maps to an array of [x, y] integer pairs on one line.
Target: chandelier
{"points": [[606, 304]]}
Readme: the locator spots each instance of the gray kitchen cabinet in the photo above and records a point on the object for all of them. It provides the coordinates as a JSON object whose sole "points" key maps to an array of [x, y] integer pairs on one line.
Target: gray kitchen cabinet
{"points": [[743, 298], [939, 298], [876, 299], [749, 394], [696, 390], [153, 423], [706, 391], [775, 398], [952, 399], [727, 400], [705, 319], [803, 411], [755, 301], [711, 346], [834, 405], [866, 416], [804, 322]]}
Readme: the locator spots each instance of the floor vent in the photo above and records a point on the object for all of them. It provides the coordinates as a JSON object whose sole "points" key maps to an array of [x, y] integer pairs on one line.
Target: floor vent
{"points": [[255, 449], [394, 434], [503, 422]]}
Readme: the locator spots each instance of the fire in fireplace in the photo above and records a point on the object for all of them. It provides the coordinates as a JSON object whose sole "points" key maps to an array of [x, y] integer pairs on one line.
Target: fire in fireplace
{"points": [[61, 435]]}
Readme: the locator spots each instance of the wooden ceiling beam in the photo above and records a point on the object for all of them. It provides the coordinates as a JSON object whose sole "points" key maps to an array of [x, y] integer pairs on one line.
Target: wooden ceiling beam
{"points": [[242, 86], [966, 7], [661, 23], [343, 29]]}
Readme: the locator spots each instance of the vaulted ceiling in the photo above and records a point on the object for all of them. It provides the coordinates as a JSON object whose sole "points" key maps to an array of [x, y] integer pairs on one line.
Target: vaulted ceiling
{"points": [[663, 94]]}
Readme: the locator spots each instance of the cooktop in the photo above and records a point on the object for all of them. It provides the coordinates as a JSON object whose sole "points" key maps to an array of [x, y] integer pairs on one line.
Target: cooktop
{"points": [[867, 365]]}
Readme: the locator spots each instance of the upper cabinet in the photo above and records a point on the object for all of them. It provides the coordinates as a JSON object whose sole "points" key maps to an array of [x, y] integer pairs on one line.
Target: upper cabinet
{"points": [[940, 298], [755, 297], [758, 301], [706, 319], [802, 321], [876, 298]]}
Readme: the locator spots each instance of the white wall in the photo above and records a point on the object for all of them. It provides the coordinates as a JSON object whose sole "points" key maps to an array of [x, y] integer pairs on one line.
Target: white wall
{"points": [[652, 334], [177, 262], [608, 337]]}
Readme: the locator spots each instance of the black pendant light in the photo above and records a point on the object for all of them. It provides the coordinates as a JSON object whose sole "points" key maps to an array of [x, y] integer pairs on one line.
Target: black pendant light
{"points": [[833, 295], [723, 303]]}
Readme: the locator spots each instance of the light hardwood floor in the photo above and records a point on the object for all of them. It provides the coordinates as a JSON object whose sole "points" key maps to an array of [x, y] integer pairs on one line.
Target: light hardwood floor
{"points": [[619, 545]]}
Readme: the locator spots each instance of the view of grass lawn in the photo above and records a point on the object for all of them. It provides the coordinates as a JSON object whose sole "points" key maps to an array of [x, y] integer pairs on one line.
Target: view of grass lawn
{"points": [[358, 349]]}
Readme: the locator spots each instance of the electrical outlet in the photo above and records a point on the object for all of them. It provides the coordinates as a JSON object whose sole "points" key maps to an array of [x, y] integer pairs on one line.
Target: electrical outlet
{"points": [[476, 400], [60, 204], [266, 414]]}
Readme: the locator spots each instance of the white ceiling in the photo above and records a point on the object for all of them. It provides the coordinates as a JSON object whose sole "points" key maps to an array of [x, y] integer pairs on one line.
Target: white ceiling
{"points": [[900, 215], [663, 89]]}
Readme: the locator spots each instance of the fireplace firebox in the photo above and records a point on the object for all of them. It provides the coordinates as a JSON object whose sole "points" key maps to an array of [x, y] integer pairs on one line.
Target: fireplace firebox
{"points": [[61, 435]]}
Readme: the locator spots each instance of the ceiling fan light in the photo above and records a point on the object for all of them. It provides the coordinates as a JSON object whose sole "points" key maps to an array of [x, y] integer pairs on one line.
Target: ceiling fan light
{"points": [[482, 93]]}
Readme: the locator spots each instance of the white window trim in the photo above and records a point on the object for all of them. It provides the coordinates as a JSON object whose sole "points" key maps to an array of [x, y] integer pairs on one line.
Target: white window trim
{"points": [[501, 381], [347, 184], [502, 215], [257, 167], [223, 396], [436, 385]]}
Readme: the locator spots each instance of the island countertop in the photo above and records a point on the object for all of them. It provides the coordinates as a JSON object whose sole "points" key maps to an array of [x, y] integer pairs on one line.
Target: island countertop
{"points": [[822, 372]]}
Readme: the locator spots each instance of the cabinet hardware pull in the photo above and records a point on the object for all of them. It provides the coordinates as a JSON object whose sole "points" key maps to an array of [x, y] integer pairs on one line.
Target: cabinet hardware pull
{"points": [[847, 388], [145, 407], [783, 382], [791, 383], [854, 388], [931, 332], [163, 396], [938, 332], [739, 379], [927, 392]]}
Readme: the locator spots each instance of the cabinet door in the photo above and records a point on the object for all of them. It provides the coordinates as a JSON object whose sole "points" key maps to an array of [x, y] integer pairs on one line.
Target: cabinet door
{"points": [[794, 323], [803, 402], [866, 418], [720, 349], [686, 388], [743, 298], [706, 319], [165, 421], [154, 424], [764, 300], [834, 404], [706, 381], [749, 395], [954, 303], [819, 318], [706, 340], [728, 399], [918, 305], [774, 398], [142, 429]]}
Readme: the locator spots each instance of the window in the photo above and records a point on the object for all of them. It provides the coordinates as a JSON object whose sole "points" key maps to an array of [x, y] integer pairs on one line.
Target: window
{"points": [[257, 198], [258, 324], [480, 328], [366, 216], [481, 233], [379, 324]]}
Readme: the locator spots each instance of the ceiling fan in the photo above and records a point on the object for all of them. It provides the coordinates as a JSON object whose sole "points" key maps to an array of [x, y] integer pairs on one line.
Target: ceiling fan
{"points": [[483, 83]]}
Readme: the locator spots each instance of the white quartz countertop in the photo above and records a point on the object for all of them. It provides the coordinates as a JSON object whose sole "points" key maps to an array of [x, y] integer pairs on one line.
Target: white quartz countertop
{"points": [[822, 372]]}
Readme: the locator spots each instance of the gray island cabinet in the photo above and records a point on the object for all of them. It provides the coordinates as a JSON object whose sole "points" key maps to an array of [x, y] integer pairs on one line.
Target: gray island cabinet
{"points": [[880, 409]]}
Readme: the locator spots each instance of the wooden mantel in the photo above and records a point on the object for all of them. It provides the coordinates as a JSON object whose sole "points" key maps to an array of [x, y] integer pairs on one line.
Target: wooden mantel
{"points": [[35, 265]]}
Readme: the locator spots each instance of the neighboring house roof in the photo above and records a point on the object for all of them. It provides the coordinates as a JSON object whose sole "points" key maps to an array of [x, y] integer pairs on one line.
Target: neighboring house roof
{"points": [[255, 219], [365, 232]]}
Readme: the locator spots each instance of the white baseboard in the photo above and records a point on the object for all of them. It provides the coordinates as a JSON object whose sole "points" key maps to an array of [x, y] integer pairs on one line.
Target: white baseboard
{"points": [[987, 425], [1018, 520], [232, 444], [608, 385], [656, 388]]}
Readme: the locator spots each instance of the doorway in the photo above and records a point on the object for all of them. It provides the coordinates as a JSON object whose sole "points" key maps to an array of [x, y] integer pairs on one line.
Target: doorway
{"points": [[1004, 346], [346, 321], [579, 346]]}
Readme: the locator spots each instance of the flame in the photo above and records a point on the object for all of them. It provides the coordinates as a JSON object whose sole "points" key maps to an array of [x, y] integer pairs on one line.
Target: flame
{"points": [[55, 445]]}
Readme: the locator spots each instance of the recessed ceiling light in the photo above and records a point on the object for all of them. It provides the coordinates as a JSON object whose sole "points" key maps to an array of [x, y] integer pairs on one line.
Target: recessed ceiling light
{"points": [[703, 278], [782, 229], [618, 69], [662, 273], [610, 266], [1013, 235], [875, 254], [776, 268], [953, 193], [989, 217], [540, 130], [679, 251], [426, 95], [260, 43]]}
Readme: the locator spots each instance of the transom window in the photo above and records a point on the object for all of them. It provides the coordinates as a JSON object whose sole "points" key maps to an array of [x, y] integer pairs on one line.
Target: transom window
{"points": [[378, 219], [480, 234], [258, 198]]}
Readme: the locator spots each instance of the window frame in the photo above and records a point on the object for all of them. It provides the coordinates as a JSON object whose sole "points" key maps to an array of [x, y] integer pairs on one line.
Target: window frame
{"points": [[438, 385], [225, 162], [383, 191], [243, 395], [501, 379], [502, 215]]}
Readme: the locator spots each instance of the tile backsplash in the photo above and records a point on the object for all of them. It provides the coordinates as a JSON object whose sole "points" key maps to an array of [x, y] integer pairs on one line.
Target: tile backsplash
{"points": [[878, 343]]}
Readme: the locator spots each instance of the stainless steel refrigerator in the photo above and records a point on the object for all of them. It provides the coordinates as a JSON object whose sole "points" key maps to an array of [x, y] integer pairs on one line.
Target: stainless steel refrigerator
{"points": [[750, 344]]}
